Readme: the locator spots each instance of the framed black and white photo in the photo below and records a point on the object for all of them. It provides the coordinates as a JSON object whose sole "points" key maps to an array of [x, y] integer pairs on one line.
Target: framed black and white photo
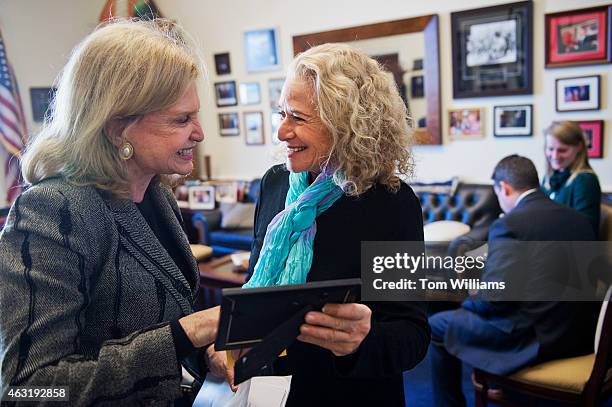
{"points": [[225, 93], [254, 130], [222, 63], [492, 50], [580, 93], [513, 121], [249, 93], [202, 197], [229, 124], [261, 50]]}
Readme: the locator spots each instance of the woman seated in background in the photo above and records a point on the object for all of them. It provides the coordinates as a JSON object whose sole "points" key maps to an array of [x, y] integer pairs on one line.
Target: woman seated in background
{"points": [[347, 137], [569, 178], [98, 281]]}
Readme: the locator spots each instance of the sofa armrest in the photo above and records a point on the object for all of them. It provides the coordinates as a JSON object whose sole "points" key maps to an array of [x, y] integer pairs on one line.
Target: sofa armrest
{"points": [[469, 241], [205, 222]]}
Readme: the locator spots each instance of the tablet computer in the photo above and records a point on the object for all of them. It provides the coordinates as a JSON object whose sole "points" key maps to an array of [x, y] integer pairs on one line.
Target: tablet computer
{"points": [[248, 315]]}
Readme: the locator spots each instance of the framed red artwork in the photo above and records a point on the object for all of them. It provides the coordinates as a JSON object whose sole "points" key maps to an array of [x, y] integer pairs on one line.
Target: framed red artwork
{"points": [[593, 135], [578, 37]]}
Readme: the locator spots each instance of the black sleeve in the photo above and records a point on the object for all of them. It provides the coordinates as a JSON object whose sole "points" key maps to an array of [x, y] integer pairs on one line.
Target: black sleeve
{"points": [[400, 334]]}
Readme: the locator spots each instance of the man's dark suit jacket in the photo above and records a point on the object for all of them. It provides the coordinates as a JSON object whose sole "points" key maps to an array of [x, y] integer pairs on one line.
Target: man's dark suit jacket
{"points": [[399, 336], [500, 337]]}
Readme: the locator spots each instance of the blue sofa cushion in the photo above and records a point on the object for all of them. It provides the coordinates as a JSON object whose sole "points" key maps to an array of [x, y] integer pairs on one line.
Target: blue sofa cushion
{"points": [[238, 239]]}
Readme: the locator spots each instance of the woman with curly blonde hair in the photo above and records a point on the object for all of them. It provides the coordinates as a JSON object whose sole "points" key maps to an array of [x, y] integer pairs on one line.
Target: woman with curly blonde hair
{"points": [[347, 137]]}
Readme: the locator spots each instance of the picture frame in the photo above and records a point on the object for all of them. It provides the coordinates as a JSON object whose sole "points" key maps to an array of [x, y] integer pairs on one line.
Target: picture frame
{"points": [[594, 137], [465, 124], [513, 121], [492, 50], [41, 100], [229, 124], [225, 93], [261, 50], [275, 119], [222, 63], [250, 93], [226, 192], [578, 93], [202, 197], [181, 193], [275, 87], [578, 37], [253, 128], [417, 86], [417, 64]]}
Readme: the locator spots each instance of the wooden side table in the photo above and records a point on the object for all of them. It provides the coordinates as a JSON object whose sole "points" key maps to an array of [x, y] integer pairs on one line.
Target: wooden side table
{"points": [[215, 275]]}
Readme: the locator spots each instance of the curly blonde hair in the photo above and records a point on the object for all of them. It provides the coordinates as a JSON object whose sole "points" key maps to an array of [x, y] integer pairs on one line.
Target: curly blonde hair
{"points": [[123, 70], [366, 117]]}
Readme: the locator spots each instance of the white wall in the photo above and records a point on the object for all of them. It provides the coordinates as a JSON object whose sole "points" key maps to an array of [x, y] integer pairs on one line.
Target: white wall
{"points": [[41, 33]]}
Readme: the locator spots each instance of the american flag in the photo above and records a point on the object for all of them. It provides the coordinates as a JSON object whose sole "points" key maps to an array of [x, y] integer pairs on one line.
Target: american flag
{"points": [[13, 132]]}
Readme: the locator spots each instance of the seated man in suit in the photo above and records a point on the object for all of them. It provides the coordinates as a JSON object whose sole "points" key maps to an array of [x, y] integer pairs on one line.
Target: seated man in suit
{"points": [[500, 337]]}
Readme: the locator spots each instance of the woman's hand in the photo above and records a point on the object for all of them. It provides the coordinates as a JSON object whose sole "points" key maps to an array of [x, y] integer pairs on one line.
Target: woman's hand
{"points": [[201, 327], [340, 328], [217, 363]]}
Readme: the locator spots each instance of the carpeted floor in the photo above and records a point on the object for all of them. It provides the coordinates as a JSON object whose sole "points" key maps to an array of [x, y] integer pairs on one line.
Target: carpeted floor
{"points": [[417, 385]]}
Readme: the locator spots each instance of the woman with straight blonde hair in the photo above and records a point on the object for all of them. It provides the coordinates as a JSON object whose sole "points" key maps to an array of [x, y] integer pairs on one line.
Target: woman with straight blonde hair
{"points": [[569, 178], [346, 133], [98, 280]]}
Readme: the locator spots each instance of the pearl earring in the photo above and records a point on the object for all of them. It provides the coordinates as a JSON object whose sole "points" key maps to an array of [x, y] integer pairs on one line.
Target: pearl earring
{"points": [[126, 151]]}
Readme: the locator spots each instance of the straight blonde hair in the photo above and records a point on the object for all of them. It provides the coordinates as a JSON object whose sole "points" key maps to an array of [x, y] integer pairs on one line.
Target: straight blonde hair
{"points": [[570, 133], [123, 70]]}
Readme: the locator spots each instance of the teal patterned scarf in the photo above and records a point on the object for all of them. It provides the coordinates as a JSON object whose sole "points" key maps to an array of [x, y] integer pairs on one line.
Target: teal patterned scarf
{"points": [[286, 254]]}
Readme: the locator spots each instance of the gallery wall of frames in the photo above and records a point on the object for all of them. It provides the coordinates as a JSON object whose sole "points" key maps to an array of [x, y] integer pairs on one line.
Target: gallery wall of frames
{"points": [[493, 58], [507, 69]]}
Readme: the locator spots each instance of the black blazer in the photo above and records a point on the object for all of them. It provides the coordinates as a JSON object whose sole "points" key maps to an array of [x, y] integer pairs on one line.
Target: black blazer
{"points": [[400, 333], [525, 332]]}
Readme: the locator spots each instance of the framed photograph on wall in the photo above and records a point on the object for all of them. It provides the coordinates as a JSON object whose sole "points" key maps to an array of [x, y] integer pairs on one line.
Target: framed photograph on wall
{"points": [[417, 86], [464, 124], [275, 86], [249, 93], [222, 63], [594, 136], [229, 124], [261, 50], [578, 37], [275, 119], [41, 99], [226, 192], [492, 50], [202, 197], [513, 121], [254, 130], [580, 93], [225, 93]]}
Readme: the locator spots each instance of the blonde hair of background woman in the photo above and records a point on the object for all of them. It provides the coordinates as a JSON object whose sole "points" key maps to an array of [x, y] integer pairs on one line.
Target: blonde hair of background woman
{"points": [[570, 133], [123, 70], [360, 106]]}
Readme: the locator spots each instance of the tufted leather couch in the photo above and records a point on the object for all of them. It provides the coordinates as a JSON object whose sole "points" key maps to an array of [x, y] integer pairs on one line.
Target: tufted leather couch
{"points": [[473, 204]]}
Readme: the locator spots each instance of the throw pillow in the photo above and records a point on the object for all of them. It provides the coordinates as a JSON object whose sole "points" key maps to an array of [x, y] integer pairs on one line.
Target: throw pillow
{"points": [[237, 215]]}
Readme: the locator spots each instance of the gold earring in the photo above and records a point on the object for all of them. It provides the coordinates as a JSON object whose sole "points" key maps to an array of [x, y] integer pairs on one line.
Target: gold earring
{"points": [[126, 151]]}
